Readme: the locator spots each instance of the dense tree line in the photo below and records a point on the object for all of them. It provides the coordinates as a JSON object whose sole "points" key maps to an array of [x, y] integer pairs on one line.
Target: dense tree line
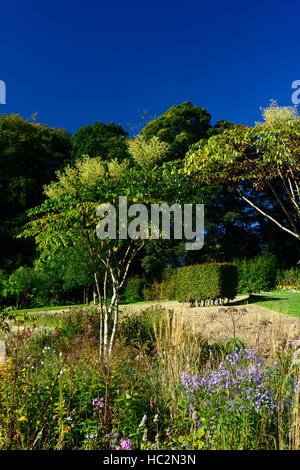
{"points": [[180, 148]]}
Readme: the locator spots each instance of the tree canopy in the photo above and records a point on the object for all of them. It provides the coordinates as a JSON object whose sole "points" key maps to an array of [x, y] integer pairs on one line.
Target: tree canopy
{"points": [[107, 141], [30, 153], [180, 126], [261, 162]]}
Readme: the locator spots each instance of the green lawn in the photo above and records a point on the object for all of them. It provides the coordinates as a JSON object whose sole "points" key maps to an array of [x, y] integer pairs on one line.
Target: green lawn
{"points": [[45, 309], [283, 302], [280, 301]]}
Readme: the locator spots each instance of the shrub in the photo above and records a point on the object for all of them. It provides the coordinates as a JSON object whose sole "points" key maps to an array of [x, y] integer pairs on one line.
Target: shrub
{"points": [[134, 328], [289, 279], [152, 292], [206, 282], [133, 291], [165, 290], [257, 274]]}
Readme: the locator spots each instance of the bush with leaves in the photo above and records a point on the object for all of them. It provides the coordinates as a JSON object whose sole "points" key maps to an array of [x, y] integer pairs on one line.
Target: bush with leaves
{"points": [[210, 281], [165, 290], [257, 274], [289, 279], [133, 291]]}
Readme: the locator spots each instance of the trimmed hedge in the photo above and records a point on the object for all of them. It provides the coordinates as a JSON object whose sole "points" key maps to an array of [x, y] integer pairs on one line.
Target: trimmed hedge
{"points": [[209, 281]]}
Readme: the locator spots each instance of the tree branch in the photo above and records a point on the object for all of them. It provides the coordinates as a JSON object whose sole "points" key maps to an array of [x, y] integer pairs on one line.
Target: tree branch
{"points": [[296, 235]]}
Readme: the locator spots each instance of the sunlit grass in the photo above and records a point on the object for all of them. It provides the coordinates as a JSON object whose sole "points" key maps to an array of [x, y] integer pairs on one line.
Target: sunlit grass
{"points": [[283, 302]]}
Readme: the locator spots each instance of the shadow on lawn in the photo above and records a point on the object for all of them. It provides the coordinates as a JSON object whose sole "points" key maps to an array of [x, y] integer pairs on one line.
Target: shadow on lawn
{"points": [[254, 298]]}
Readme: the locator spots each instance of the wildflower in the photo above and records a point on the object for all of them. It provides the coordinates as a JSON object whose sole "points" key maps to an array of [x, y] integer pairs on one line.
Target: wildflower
{"points": [[126, 444], [155, 420], [240, 382], [98, 402]]}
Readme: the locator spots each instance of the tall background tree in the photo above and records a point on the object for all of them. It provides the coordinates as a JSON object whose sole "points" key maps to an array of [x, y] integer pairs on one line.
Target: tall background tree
{"points": [[107, 141], [30, 153], [180, 126]]}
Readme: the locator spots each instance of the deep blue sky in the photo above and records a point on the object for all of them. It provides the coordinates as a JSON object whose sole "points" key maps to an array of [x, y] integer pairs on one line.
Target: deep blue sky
{"points": [[76, 62]]}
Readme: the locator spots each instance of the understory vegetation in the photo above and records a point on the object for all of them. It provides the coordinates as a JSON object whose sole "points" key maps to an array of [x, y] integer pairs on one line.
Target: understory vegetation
{"points": [[163, 388]]}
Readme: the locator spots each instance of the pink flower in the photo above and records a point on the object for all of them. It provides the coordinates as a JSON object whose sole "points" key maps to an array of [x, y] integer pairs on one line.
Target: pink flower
{"points": [[126, 444]]}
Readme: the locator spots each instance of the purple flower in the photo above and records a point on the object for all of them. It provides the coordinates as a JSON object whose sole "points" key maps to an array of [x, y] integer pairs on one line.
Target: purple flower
{"points": [[240, 384], [98, 402], [126, 444]]}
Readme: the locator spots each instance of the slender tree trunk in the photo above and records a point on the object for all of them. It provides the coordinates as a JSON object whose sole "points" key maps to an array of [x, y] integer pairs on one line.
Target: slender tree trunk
{"points": [[118, 272], [115, 312]]}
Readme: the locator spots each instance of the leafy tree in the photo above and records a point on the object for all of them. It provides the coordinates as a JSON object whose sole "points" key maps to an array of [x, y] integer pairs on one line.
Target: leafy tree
{"points": [[107, 141], [147, 153], [30, 153], [77, 270], [19, 284], [220, 127], [180, 126], [261, 162], [68, 217]]}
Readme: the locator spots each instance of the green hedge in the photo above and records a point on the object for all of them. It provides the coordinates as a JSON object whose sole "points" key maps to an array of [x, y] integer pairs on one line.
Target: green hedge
{"points": [[257, 274], [206, 282]]}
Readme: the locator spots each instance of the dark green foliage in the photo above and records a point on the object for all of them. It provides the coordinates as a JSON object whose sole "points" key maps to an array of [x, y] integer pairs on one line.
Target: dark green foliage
{"points": [[220, 127], [107, 141], [139, 328], [30, 153], [164, 290], [289, 278], [206, 282], [257, 274], [180, 126], [143, 327], [133, 289]]}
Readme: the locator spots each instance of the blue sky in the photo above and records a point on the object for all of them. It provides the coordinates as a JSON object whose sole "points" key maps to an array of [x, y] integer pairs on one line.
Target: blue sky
{"points": [[76, 62]]}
